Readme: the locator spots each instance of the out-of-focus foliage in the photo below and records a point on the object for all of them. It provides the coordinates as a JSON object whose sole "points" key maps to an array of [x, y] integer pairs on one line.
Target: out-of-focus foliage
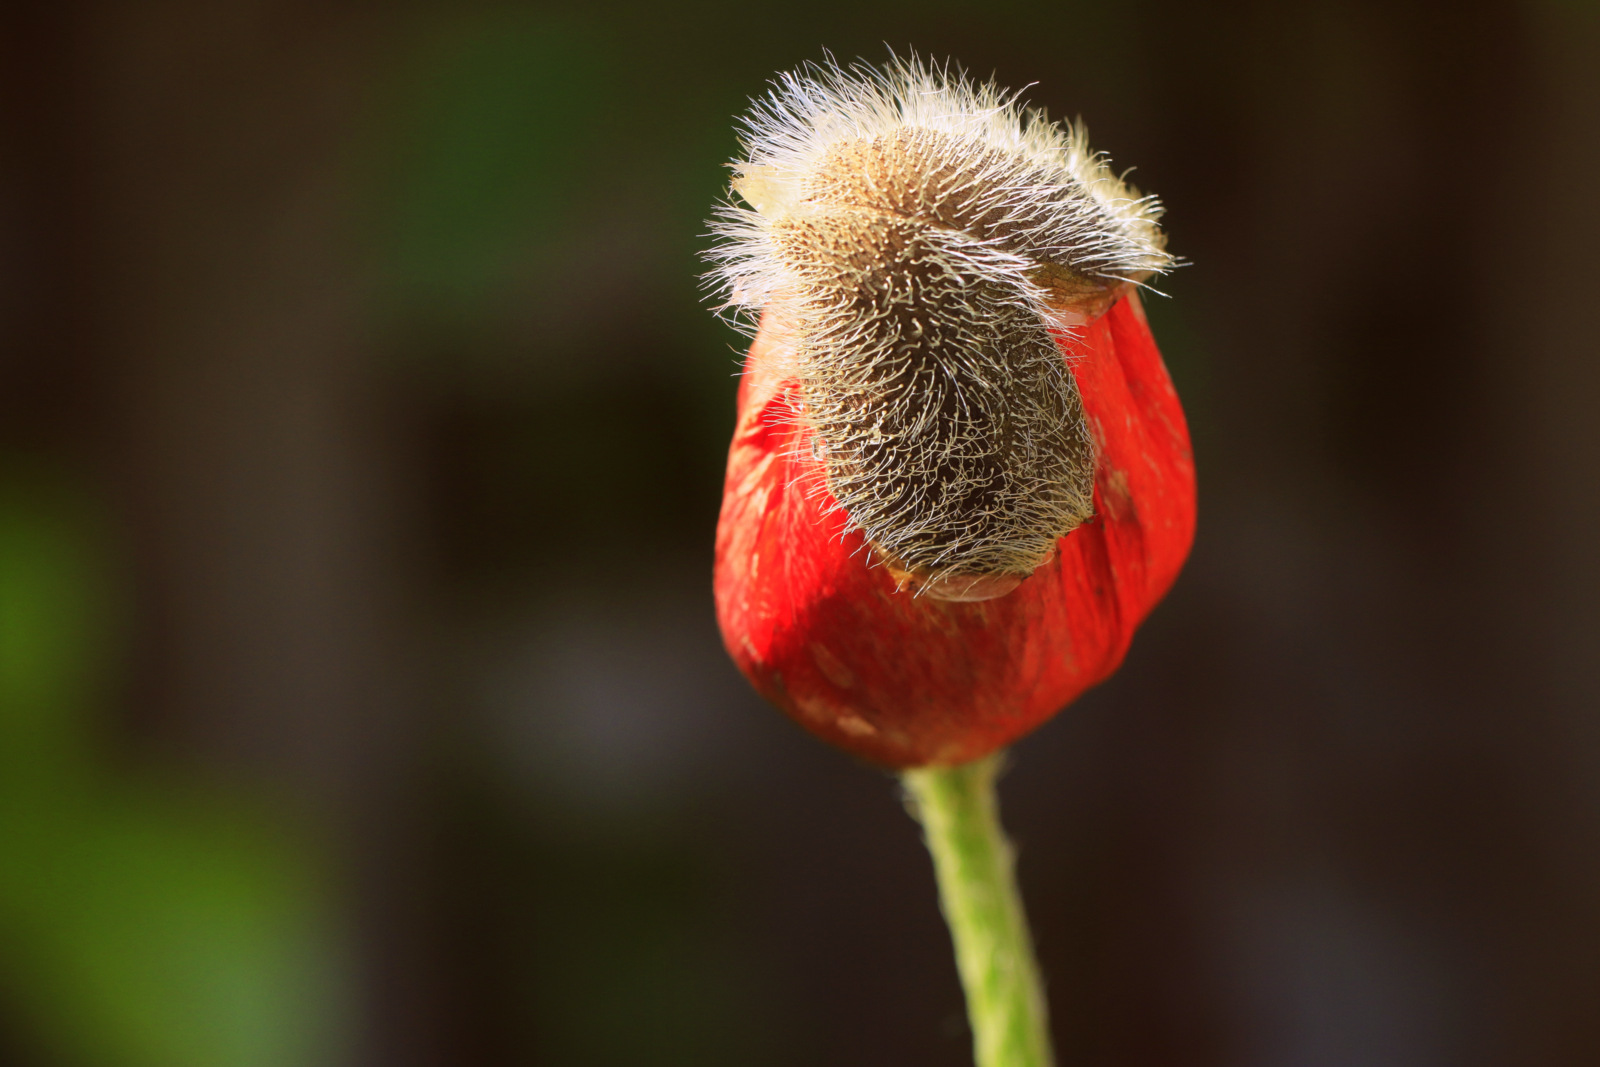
{"points": [[497, 129], [144, 921]]}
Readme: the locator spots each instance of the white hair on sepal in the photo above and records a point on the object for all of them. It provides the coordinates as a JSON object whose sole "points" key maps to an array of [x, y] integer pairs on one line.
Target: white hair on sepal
{"points": [[917, 236], [1058, 199]]}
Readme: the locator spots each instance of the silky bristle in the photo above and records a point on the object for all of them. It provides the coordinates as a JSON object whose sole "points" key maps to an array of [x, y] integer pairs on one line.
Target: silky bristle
{"points": [[922, 234]]}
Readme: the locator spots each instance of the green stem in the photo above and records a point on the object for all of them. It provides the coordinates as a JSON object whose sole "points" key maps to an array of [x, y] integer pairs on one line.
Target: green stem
{"points": [[978, 893]]}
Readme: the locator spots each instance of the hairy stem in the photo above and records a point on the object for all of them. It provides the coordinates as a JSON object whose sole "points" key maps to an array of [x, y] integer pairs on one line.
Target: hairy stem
{"points": [[978, 892]]}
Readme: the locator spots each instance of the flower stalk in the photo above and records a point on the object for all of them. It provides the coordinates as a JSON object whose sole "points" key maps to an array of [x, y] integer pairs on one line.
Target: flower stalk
{"points": [[975, 866]]}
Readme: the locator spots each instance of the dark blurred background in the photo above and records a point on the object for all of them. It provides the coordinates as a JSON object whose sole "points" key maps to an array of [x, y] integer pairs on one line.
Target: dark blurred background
{"points": [[361, 432]]}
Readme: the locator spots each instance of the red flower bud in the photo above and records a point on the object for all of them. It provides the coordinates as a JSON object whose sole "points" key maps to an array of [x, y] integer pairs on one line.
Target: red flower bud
{"points": [[958, 481]]}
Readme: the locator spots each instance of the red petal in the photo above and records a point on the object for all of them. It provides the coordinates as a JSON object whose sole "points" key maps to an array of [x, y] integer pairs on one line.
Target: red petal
{"points": [[821, 630]]}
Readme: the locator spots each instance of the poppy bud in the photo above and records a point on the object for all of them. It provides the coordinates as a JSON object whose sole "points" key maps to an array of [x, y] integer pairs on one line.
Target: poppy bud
{"points": [[960, 476]]}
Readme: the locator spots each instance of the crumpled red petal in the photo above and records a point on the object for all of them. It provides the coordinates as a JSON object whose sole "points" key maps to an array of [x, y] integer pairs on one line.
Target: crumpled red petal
{"points": [[820, 629]]}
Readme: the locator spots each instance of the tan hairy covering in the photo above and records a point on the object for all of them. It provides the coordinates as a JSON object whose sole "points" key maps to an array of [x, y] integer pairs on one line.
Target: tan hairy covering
{"points": [[921, 237]]}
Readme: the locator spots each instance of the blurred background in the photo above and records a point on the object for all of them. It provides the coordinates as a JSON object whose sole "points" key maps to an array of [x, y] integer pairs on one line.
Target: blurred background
{"points": [[361, 433]]}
